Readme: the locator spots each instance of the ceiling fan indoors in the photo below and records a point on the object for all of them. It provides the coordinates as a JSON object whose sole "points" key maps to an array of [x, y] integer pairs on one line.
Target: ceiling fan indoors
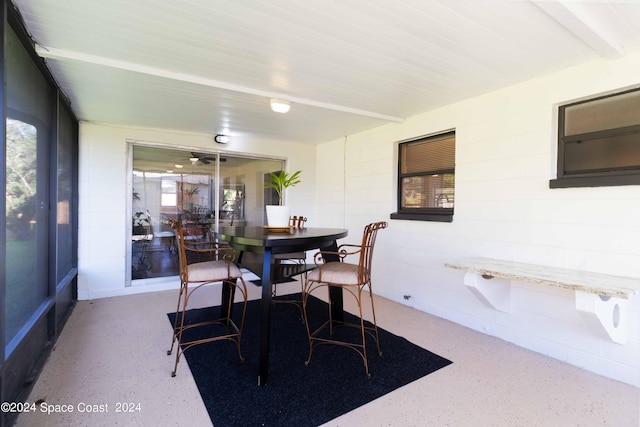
{"points": [[203, 158]]}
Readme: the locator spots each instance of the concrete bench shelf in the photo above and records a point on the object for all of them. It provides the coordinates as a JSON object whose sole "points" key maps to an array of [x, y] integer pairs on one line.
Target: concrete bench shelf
{"points": [[602, 297]]}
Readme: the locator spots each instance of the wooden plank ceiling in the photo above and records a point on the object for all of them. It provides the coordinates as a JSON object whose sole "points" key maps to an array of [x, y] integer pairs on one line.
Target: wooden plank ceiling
{"points": [[211, 66]]}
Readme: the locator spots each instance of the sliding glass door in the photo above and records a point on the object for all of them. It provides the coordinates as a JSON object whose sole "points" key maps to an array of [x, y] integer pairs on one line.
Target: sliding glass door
{"points": [[202, 190]]}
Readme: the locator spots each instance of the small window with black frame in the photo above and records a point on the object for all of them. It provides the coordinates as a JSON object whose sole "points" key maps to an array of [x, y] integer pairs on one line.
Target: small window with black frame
{"points": [[426, 172], [599, 141]]}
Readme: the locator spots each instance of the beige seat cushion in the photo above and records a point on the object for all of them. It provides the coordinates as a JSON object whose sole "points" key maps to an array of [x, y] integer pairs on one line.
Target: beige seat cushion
{"points": [[335, 272], [213, 271]]}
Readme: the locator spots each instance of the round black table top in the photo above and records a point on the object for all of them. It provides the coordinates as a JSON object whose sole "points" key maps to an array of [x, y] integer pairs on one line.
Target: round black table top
{"points": [[292, 238]]}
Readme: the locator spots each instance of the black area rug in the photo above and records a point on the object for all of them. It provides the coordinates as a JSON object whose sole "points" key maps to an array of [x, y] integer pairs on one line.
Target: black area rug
{"points": [[297, 395]]}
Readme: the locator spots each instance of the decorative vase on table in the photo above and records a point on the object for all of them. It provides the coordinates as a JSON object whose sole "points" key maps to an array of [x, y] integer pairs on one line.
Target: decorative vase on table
{"points": [[277, 216]]}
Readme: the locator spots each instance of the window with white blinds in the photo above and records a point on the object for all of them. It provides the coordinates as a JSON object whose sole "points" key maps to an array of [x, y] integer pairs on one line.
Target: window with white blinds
{"points": [[426, 172]]}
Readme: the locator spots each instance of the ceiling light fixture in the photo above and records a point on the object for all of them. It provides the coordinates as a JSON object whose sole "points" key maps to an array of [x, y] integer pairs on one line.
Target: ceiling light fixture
{"points": [[280, 105], [221, 139], [194, 159], [179, 166]]}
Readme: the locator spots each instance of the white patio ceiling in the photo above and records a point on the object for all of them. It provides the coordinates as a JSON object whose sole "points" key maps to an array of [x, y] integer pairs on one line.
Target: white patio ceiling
{"points": [[211, 65]]}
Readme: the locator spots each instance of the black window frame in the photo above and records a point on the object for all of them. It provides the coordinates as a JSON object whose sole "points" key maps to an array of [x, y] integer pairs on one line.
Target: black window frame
{"points": [[22, 359], [436, 214], [601, 178]]}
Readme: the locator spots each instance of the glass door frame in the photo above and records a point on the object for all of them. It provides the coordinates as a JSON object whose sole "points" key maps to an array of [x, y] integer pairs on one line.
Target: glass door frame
{"points": [[215, 197]]}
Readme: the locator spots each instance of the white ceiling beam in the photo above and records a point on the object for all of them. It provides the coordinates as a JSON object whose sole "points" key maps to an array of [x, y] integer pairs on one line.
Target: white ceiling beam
{"points": [[54, 53], [573, 16]]}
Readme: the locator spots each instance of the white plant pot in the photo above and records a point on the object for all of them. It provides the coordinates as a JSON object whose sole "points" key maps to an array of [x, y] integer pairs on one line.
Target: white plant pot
{"points": [[277, 216]]}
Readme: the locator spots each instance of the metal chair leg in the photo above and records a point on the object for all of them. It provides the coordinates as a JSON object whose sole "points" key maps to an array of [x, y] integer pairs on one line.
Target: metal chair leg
{"points": [[175, 320]]}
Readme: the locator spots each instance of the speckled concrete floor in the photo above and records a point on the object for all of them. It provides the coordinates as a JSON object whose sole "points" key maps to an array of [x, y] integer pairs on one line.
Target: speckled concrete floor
{"points": [[112, 354]]}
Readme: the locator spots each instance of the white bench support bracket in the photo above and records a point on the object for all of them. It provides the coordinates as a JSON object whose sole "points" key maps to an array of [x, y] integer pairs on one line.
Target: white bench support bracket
{"points": [[607, 312], [495, 292], [601, 299]]}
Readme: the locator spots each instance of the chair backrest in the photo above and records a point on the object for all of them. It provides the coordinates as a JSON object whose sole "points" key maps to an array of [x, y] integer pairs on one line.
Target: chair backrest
{"points": [[182, 255], [366, 254], [297, 221], [210, 250]]}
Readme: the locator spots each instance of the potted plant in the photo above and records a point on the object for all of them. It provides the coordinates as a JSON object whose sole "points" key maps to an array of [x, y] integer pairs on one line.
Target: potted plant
{"points": [[278, 215], [141, 223], [188, 196]]}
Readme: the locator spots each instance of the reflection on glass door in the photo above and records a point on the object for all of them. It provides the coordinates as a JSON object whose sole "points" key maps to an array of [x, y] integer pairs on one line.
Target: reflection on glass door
{"points": [[232, 208], [202, 190], [26, 227]]}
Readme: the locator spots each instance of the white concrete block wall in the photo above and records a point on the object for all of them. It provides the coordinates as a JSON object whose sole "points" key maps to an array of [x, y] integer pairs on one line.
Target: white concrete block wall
{"points": [[101, 219], [505, 156]]}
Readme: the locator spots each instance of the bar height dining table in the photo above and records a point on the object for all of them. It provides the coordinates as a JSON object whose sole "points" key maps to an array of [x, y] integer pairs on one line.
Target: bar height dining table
{"points": [[269, 242]]}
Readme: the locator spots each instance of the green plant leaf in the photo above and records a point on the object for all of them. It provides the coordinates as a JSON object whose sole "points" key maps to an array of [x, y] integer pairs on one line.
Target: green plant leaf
{"points": [[283, 180]]}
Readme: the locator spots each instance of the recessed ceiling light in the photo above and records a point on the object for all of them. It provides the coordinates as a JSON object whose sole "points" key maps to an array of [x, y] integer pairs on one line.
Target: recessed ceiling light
{"points": [[280, 105]]}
